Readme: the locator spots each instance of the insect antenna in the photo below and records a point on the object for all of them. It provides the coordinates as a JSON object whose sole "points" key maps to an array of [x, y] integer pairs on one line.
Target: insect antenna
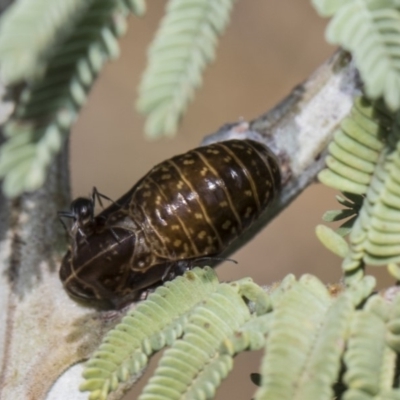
{"points": [[64, 214]]}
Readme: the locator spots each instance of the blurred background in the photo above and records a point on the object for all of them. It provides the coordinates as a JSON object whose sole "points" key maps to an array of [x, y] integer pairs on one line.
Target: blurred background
{"points": [[269, 47]]}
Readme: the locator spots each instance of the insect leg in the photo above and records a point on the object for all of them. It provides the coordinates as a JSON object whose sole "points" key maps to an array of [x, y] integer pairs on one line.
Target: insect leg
{"points": [[97, 195], [169, 273], [80, 231], [175, 268]]}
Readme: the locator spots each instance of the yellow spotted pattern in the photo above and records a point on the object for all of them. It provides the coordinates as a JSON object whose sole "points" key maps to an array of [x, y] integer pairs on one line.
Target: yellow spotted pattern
{"points": [[201, 200]]}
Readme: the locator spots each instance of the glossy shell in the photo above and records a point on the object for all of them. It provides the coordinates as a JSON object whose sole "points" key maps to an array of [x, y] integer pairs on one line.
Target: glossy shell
{"points": [[186, 208]]}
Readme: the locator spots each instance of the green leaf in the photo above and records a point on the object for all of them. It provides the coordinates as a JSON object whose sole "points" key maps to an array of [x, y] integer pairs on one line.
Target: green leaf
{"points": [[367, 343], [184, 44], [332, 241], [30, 32], [193, 367], [346, 227], [305, 343], [337, 215], [50, 104], [327, 8], [371, 31], [155, 323]]}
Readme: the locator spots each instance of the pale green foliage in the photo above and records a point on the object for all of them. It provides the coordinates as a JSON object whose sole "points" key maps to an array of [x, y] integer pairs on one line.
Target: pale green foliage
{"points": [[366, 379], [375, 236], [302, 356], [353, 203], [214, 322], [152, 325], [364, 160], [327, 8], [393, 325], [307, 332], [50, 104], [138, 7], [370, 29], [184, 44], [332, 241], [216, 318], [251, 336], [355, 148], [29, 32], [24, 158], [224, 322]]}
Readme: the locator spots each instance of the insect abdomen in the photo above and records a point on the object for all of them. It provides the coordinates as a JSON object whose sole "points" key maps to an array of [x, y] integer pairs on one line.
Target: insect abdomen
{"points": [[196, 203]]}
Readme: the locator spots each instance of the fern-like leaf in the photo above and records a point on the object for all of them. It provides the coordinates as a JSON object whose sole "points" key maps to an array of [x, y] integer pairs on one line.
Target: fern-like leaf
{"points": [[375, 236], [153, 324], [333, 240], [356, 147], [371, 31], [251, 336], [364, 160], [370, 362], [184, 44], [29, 33], [306, 341], [48, 107], [353, 203], [393, 325], [217, 322], [192, 368], [303, 326]]}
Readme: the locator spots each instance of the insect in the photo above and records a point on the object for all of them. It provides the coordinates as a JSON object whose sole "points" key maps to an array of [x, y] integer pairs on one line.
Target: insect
{"points": [[187, 208], [81, 211]]}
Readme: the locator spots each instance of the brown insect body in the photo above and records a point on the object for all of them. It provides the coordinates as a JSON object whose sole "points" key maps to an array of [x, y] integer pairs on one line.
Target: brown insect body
{"points": [[186, 208]]}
